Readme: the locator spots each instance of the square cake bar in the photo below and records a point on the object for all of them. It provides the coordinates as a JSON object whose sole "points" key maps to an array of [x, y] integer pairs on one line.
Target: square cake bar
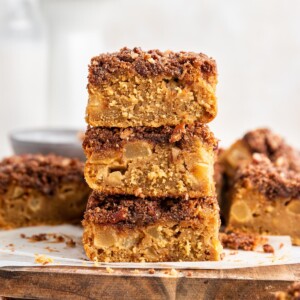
{"points": [[265, 199], [151, 162], [41, 190], [129, 229], [153, 88]]}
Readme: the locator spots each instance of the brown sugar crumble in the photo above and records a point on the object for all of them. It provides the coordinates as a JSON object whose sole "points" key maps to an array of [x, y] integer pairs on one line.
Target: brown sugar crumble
{"points": [[51, 238], [236, 240], [189, 274], [51, 249], [126, 209], [44, 173], [150, 63], [38, 238], [270, 180], [151, 271], [266, 142], [268, 248], [70, 243], [113, 138]]}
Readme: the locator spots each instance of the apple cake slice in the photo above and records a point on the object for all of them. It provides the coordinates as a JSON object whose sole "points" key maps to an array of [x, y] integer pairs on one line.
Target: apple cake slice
{"points": [[151, 162], [122, 228], [138, 88], [41, 190], [265, 199]]}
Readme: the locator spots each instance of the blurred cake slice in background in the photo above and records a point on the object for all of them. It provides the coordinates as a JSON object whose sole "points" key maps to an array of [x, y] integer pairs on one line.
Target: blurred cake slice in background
{"points": [[264, 199], [262, 141], [240, 154], [152, 88], [122, 228], [41, 190]]}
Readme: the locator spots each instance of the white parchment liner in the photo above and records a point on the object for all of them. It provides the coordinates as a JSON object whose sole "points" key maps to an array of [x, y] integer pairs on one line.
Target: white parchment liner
{"points": [[18, 251]]}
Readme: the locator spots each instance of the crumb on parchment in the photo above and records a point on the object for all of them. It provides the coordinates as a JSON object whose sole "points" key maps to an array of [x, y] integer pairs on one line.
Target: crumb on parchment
{"points": [[43, 259], [70, 243], [51, 238], [268, 248], [109, 270], [171, 272]]}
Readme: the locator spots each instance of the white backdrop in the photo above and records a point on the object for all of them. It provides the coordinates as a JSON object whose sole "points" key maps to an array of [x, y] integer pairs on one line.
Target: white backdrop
{"points": [[256, 44]]}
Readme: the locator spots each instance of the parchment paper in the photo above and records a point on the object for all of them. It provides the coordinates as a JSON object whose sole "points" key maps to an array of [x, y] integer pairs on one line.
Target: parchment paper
{"points": [[19, 251]]}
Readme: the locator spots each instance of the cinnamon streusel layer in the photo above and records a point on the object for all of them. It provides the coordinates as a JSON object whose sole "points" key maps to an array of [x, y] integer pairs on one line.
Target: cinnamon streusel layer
{"points": [[262, 141]]}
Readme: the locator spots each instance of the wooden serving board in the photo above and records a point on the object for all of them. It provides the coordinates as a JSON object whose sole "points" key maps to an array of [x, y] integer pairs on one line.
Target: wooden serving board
{"points": [[97, 283]]}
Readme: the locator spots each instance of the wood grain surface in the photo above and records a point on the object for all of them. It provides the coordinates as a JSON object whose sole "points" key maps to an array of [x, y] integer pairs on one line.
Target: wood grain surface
{"points": [[97, 283]]}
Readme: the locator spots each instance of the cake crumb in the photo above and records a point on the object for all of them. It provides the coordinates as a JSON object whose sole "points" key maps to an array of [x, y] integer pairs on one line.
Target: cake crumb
{"points": [[38, 238], [11, 247], [281, 245], [189, 274], [70, 243], [109, 270], [151, 271], [173, 272], [51, 238], [43, 259], [58, 238], [51, 249], [268, 248], [237, 240]]}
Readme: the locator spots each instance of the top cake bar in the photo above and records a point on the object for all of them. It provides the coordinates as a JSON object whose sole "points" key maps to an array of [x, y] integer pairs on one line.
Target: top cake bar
{"points": [[153, 88]]}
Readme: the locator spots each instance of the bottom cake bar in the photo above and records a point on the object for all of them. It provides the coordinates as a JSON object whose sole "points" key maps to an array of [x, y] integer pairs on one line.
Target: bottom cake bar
{"points": [[265, 199], [131, 229]]}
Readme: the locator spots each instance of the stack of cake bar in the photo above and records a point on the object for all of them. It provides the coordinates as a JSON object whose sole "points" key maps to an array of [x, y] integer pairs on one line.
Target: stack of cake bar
{"points": [[150, 158]]}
